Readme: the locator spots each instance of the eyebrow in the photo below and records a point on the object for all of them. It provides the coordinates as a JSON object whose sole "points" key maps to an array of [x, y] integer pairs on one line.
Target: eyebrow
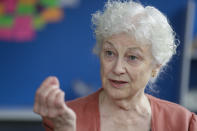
{"points": [[110, 43], [135, 48], [130, 48]]}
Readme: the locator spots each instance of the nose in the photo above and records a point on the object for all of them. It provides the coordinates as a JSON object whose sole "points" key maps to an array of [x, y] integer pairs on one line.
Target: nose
{"points": [[119, 67]]}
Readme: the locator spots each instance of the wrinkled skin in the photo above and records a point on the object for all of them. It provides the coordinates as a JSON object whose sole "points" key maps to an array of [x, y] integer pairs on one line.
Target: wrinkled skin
{"points": [[49, 103], [126, 68]]}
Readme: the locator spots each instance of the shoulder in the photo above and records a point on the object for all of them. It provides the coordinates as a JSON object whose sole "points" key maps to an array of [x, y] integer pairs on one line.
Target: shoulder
{"points": [[171, 115], [166, 105], [83, 102]]}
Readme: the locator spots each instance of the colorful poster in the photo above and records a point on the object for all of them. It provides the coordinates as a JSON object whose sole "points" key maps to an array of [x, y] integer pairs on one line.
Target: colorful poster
{"points": [[20, 19]]}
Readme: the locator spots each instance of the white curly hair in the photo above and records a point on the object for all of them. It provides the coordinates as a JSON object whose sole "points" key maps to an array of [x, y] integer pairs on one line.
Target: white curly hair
{"points": [[146, 24]]}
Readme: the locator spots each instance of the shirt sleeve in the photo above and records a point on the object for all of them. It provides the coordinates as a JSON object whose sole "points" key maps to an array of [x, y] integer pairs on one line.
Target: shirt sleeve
{"points": [[193, 123]]}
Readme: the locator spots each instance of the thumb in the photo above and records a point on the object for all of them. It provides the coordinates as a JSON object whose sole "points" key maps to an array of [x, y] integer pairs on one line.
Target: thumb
{"points": [[54, 81]]}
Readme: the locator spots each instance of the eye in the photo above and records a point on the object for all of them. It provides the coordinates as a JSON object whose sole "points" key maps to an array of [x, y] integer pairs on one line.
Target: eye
{"points": [[109, 53], [132, 57]]}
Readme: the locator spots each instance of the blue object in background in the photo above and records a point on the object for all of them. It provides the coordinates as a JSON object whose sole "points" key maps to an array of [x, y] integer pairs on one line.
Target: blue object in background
{"points": [[65, 50]]}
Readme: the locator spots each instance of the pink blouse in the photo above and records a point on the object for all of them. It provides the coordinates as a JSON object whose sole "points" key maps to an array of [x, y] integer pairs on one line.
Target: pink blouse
{"points": [[166, 116]]}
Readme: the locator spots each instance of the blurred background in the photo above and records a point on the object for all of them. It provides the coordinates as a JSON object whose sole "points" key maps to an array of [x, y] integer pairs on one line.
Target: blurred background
{"points": [[40, 38]]}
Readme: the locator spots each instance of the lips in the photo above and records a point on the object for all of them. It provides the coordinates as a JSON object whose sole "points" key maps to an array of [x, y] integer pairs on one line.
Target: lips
{"points": [[117, 83]]}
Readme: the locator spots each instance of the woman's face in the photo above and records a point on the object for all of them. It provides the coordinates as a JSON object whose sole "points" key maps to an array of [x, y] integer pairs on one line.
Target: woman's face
{"points": [[126, 66]]}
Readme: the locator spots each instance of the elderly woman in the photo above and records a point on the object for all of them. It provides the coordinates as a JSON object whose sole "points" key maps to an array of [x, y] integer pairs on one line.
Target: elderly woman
{"points": [[134, 44]]}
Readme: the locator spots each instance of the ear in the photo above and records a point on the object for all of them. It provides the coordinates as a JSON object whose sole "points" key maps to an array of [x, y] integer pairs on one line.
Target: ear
{"points": [[156, 70], [158, 66]]}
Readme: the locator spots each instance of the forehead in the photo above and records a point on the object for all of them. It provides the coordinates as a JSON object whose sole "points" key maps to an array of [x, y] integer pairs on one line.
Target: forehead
{"points": [[125, 41]]}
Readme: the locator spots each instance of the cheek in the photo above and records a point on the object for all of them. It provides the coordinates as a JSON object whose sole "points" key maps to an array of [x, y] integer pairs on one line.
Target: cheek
{"points": [[106, 68], [144, 76], [104, 74], [138, 75], [132, 73]]}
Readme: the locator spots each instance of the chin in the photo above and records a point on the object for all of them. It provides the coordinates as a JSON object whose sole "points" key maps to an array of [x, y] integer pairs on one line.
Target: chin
{"points": [[115, 93]]}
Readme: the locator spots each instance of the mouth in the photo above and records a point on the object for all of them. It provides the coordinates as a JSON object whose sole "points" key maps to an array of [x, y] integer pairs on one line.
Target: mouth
{"points": [[117, 83]]}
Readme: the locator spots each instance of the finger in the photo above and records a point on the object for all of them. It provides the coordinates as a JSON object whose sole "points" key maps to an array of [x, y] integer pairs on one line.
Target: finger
{"points": [[50, 101], [61, 105], [40, 99], [44, 98], [52, 112], [37, 102], [44, 95], [51, 80], [63, 108], [43, 91], [59, 102]]}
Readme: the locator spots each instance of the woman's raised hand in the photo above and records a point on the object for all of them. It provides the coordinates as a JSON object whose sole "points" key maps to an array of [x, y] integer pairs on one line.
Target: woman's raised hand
{"points": [[49, 103]]}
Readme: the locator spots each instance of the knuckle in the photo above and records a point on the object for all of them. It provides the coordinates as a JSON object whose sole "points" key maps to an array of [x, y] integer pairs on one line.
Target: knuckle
{"points": [[58, 104], [50, 77]]}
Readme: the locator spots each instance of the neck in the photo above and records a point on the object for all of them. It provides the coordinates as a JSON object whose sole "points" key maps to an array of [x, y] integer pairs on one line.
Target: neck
{"points": [[138, 103]]}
